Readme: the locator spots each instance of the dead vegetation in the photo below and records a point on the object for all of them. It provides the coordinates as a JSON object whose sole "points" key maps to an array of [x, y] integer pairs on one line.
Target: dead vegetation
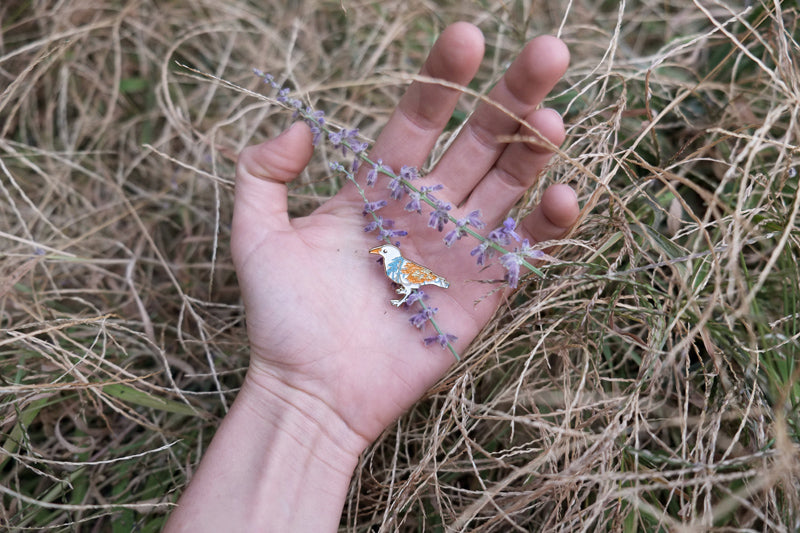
{"points": [[649, 383]]}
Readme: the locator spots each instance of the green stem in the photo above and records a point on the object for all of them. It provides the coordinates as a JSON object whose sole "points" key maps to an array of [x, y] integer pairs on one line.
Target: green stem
{"points": [[439, 331]]}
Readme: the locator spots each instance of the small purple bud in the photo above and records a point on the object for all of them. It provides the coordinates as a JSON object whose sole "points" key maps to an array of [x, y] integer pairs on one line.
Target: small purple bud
{"points": [[409, 173], [398, 188], [388, 234], [415, 296], [482, 252], [511, 262], [335, 138], [422, 317], [371, 207], [372, 175], [443, 339], [474, 220], [440, 216], [413, 204], [283, 95], [505, 233]]}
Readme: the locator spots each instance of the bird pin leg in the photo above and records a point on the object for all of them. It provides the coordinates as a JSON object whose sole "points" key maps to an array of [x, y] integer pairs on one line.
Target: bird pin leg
{"points": [[406, 292]]}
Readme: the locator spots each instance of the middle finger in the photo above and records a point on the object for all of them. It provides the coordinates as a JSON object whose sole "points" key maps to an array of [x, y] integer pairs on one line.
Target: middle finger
{"points": [[523, 87]]}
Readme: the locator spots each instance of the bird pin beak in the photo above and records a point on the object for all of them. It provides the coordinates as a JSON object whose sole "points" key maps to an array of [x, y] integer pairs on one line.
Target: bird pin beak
{"points": [[376, 250]]}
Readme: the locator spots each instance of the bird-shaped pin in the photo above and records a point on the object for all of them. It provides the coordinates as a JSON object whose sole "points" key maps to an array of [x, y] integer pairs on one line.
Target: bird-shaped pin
{"points": [[408, 274]]}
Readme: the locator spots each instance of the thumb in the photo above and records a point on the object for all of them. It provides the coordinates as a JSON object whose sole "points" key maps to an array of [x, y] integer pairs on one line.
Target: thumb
{"points": [[262, 173]]}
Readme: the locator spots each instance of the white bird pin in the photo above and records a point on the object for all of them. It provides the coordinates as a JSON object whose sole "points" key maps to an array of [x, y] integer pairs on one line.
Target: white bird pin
{"points": [[408, 274]]}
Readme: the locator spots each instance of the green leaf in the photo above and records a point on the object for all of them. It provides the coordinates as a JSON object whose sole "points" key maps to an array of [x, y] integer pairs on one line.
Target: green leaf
{"points": [[133, 85], [137, 397]]}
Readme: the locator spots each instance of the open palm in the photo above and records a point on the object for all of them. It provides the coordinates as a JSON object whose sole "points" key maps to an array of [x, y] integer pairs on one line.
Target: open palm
{"points": [[318, 311]]}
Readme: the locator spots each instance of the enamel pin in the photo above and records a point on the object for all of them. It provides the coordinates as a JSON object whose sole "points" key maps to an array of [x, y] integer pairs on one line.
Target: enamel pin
{"points": [[408, 274]]}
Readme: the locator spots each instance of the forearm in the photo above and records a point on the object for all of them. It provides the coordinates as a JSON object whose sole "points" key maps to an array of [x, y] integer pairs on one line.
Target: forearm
{"points": [[279, 462]]}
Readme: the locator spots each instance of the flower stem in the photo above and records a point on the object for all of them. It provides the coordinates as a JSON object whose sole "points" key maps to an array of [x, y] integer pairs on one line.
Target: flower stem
{"points": [[440, 332]]}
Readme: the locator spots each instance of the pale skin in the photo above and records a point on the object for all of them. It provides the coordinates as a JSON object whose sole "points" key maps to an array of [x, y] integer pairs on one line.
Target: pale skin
{"points": [[333, 363]]}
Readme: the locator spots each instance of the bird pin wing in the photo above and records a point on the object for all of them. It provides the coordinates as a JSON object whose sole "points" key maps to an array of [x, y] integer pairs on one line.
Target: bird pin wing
{"points": [[418, 274]]}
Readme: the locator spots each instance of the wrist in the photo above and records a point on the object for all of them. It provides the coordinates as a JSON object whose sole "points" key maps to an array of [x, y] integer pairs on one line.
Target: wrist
{"points": [[281, 460], [309, 455], [316, 429]]}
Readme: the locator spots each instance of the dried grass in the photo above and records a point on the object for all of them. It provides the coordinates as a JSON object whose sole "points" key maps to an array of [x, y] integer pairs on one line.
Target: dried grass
{"points": [[649, 383]]}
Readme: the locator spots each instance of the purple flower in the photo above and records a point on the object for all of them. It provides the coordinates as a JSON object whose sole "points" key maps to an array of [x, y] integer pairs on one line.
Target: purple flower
{"points": [[415, 296], [347, 139], [388, 234], [317, 116], [483, 252], [409, 173], [351, 138], [452, 236], [511, 261], [420, 319], [371, 207], [358, 146], [472, 219], [504, 233], [443, 339], [283, 95], [315, 121], [427, 190], [440, 216], [317, 134], [398, 184], [413, 203], [397, 187], [268, 78], [335, 138], [372, 175], [378, 222], [529, 251], [385, 227]]}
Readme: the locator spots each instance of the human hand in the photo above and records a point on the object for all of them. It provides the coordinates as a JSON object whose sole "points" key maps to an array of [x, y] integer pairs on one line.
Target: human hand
{"points": [[321, 327], [332, 361]]}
